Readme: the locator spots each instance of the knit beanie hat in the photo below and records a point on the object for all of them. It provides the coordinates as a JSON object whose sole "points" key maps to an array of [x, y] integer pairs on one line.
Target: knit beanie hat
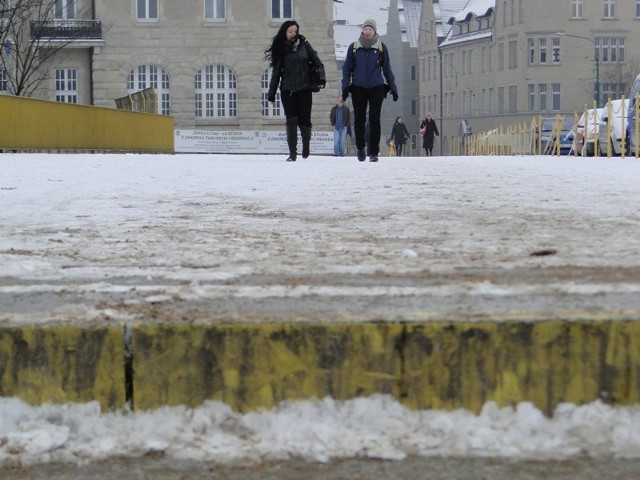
{"points": [[370, 22]]}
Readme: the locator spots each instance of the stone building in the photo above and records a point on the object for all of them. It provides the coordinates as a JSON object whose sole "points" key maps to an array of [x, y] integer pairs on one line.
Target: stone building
{"points": [[499, 62], [205, 58]]}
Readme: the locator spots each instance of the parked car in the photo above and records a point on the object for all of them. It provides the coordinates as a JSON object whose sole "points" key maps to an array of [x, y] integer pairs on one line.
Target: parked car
{"points": [[550, 127], [631, 117], [613, 123]]}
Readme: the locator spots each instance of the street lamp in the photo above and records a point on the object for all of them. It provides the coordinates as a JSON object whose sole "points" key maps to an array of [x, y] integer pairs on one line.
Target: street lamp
{"points": [[596, 54]]}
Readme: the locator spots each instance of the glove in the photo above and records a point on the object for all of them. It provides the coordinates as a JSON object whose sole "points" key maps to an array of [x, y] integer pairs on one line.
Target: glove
{"points": [[395, 96], [271, 99], [345, 94]]}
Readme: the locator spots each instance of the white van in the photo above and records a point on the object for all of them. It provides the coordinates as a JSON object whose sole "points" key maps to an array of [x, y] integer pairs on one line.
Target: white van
{"points": [[586, 132], [614, 123]]}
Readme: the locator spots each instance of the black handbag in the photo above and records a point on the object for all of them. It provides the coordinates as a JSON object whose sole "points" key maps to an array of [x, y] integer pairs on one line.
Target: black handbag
{"points": [[313, 70]]}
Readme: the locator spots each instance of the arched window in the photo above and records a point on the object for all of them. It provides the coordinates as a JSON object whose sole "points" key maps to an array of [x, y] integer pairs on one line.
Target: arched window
{"points": [[216, 93], [151, 76], [269, 110]]}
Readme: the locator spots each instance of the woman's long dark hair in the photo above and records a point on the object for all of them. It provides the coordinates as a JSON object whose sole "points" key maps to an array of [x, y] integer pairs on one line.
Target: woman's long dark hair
{"points": [[276, 50]]}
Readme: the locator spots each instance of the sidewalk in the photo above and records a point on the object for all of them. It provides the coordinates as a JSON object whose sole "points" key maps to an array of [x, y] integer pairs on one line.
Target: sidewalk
{"points": [[445, 282]]}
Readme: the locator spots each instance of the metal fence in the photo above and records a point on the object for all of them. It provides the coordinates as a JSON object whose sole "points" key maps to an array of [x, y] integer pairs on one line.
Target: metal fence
{"points": [[594, 132]]}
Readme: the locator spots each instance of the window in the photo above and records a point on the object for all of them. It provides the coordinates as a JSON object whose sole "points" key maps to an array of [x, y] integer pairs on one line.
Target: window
{"points": [[281, 8], [577, 9], [613, 90], [513, 54], [414, 107], [487, 100], [504, 13], [449, 104], [513, 98], [147, 9], [637, 8], [542, 96], [216, 92], [538, 51], [609, 8], [215, 9], [610, 49], [531, 89], [151, 76], [555, 97], [414, 73], [486, 54], [67, 85], [501, 56], [483, 59], [500, 99], [467, 62], [555, 50], [542, 45], [64, 10], [4, 80], [267, 109], [448, 68]]}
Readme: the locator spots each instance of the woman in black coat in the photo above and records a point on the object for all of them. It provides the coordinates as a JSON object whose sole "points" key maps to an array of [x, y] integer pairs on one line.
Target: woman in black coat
{"points": [[399, 134], [292, 57], [430, 129]]}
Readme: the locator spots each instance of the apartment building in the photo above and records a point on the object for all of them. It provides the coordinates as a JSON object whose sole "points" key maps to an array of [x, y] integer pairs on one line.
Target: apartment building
{"points": [[499, 62], [204, 58], [401, 38]]}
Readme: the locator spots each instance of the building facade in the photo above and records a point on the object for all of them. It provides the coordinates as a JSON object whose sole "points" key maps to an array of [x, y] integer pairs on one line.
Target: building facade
{"points": [[204, 58], [500, 62], [403, 30]]}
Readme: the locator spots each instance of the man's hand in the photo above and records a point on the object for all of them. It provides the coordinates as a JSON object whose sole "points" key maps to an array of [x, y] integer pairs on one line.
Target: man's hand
{"points": [[395, 96]]}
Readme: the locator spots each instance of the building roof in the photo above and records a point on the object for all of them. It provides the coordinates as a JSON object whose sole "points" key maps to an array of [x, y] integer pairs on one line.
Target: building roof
{"points": [[474, 8], [443, 10], [410, 12]]}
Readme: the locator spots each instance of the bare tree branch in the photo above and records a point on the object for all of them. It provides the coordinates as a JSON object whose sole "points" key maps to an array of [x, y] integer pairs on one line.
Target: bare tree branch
{"points": [[30, 42]]}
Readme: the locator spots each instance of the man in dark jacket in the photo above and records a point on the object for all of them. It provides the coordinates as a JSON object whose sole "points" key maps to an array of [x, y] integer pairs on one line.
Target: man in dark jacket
{"points": [[364, 72], [340, 118]]}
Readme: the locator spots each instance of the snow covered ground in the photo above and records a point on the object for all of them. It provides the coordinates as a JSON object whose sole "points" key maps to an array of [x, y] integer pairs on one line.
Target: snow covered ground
{"points": [[183, 225]]}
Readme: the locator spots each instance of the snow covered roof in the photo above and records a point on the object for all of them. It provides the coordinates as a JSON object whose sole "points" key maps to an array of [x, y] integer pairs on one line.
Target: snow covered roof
{"points": [[442, 11], [410, 12], [475, 8]]}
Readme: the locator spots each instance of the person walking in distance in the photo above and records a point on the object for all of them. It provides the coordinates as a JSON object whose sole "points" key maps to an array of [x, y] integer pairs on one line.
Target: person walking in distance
{"points": [[365, 70], [340, 118], [292, 58], [428, 129], [399, 134]]}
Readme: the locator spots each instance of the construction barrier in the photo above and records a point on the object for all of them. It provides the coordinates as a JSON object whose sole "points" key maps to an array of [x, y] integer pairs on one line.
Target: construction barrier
{"points": [[31, 124], [527, 138]]}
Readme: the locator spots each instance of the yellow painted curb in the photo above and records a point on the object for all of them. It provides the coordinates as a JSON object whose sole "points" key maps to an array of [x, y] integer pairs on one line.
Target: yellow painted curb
{"points": [[445, 365], [63, 365], [424, 365]]}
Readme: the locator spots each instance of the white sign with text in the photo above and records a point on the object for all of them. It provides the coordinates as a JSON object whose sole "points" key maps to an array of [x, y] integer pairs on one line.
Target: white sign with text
{"points": [[269, 142]]}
